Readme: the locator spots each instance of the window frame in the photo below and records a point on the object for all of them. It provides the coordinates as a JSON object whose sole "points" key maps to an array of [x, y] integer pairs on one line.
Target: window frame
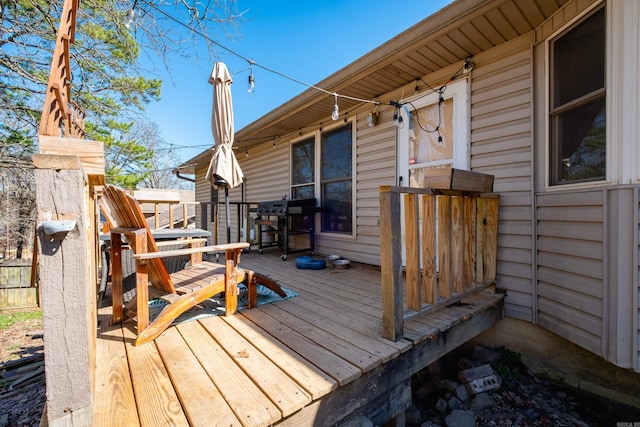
{"points": [[292, 185], [317, 182], [552, 180]]}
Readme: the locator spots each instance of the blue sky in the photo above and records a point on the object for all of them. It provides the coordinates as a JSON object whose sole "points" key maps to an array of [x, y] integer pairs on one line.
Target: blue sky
{"points": [[306, 40]]}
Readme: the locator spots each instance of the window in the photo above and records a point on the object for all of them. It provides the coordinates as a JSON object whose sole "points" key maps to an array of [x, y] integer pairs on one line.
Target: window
{"points": [[302, 169], [335, 176], [578, 103], [336, 179]]}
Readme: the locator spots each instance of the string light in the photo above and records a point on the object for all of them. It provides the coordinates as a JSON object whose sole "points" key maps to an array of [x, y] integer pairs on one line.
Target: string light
{"points": [[246, 151], [131, 15], [252, 81], [466, 68], [252, 63]]}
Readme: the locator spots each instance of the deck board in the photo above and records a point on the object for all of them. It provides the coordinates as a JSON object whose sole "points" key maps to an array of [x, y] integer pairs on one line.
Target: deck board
{"points": [[201, 400], [342, 346], [333, 365], [309, 360], [247, 401], [284, 392], [114, 398], [151, 384], [348, 330], [304, 373]]}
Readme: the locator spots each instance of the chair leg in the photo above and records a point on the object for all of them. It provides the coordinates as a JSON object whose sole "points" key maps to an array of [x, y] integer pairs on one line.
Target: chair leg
{"points": [[252, 289], [230, 287], [270, 283]]}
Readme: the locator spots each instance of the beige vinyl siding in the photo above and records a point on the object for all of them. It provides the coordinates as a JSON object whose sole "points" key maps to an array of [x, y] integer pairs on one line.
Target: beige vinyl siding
{"points": [[266, 172], [501, 141], [571, 265], [203, 194]]}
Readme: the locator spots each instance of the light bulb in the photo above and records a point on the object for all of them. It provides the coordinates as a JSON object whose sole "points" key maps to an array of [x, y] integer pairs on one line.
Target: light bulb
{"points": [[128, 22], [251, 87], [336, 114], [246, 152]]}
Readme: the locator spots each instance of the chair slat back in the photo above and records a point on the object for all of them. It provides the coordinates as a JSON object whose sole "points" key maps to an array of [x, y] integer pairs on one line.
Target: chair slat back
{"points": [[127, 213]]}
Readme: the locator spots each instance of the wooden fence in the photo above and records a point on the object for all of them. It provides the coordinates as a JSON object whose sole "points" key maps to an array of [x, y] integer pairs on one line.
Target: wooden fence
{"points": [[450, 245], [15, 285]]}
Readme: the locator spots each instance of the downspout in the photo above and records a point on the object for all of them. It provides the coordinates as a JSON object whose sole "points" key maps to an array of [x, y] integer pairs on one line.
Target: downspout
{"points": [[177, 172]]}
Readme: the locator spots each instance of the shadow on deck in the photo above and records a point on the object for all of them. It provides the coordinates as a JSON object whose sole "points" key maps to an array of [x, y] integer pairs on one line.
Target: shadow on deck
{"points": [[314, 359]]}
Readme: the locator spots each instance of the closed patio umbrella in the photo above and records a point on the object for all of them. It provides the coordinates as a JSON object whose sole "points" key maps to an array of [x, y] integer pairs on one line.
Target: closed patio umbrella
{"points": [[224, 170]]}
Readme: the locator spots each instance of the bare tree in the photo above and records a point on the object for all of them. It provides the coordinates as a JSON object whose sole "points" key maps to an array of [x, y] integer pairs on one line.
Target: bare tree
{"points": [[108, 80]]}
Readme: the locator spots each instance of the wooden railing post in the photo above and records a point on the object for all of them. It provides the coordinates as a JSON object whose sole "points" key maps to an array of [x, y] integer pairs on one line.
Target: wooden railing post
{"points": [[68, 289], [391, 264]]}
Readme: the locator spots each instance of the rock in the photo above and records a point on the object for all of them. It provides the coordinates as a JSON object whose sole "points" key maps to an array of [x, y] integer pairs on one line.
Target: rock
{"points": [[424, 391], [483, 401], [435, 368], [460, 418], [454, 403], [464, 363], [531, 414], [482, 355], [447, 384], [441, 405], [427, 424], [462, 393], [413, 415]]}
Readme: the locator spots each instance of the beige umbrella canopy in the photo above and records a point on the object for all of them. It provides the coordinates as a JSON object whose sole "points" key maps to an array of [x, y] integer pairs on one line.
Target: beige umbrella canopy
{"points": [[224, 167], [224, 170]]}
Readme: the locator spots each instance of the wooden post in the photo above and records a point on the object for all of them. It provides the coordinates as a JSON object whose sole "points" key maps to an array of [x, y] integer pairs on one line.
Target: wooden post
{"points": [[412, 237], [444, 246], [429, 249], [391, 264], [68, 292]]}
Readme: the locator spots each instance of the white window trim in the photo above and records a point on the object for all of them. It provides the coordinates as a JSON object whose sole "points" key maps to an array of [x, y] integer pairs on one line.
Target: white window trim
{"points": [[612, 153], [317, 134]]}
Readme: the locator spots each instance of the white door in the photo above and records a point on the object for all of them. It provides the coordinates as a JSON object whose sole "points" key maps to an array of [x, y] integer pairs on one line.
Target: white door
{"points": [[433, 135]]}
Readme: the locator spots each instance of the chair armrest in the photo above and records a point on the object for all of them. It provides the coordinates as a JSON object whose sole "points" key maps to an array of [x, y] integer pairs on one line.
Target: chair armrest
{"points": [[214, 248]]}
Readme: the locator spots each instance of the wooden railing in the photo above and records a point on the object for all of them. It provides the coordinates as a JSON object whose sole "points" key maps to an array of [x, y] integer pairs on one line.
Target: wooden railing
{"points": [[450, 245]]}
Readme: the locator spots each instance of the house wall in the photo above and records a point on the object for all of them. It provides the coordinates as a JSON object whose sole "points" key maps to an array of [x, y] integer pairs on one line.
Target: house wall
{"points": [[586, 278], [501, 145], [565, 256], [571, 265]]}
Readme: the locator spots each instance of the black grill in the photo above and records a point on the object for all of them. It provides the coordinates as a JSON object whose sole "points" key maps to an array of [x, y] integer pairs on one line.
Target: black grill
{"points": [[280, 219], [287, 207]]}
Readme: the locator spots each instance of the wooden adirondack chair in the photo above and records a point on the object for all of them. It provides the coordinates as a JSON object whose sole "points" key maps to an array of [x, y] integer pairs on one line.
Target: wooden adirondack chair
{"points": [[183, 289]]}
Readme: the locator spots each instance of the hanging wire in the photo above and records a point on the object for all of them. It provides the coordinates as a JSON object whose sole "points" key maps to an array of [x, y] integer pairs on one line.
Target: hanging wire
{"points": [[252, 62]]}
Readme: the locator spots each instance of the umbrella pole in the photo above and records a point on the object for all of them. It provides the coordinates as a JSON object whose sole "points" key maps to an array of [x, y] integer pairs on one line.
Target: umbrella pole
{"points": [[226, 204]]}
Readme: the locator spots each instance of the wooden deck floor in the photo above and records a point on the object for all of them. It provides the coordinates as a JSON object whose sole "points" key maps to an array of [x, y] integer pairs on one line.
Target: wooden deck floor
{"points": [[310, 360]]}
